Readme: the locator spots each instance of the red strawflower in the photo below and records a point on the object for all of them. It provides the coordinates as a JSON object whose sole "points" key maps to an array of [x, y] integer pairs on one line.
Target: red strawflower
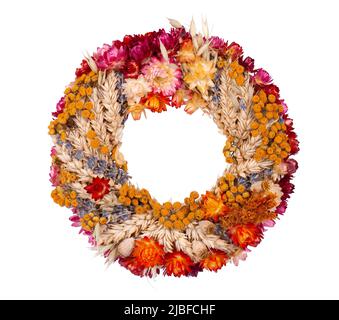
{"points": [[178, 264], [98, 188], [292, 136], [84, 68], [286, 186], [131, 70], [132, 265], [195, 269], [234, 51], [272, 89], [246, 235], [214, 261], [247, 63], [148, 253]]}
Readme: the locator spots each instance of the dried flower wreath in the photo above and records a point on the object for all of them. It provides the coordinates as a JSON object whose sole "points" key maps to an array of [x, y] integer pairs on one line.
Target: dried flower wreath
{"points": [[151, 72]]}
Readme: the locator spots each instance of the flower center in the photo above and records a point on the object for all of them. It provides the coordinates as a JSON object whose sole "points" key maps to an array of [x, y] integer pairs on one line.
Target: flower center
{"points": [[171, 153]]}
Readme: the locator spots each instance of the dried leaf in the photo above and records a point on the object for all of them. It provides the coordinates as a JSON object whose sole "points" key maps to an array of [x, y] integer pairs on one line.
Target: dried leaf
{"points": [[175, 23], [205, 29], [91, 63], [193, 29], [163, 51]]}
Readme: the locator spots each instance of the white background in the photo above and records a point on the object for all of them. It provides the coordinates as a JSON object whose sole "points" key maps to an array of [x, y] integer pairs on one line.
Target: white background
{"points": [[42, 43]]}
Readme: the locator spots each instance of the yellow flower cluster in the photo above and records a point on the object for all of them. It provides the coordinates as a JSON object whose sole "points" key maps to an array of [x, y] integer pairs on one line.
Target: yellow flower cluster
{"points": [[94, 142], [274, 146], [67, 177], [76, 99], [229, 148], [178, 215], [233, 194], [62, 198], [140, 199], [90, 220], [237, 73]]}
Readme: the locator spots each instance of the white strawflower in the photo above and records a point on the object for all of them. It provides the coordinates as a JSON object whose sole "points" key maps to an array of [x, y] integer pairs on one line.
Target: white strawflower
{"points": [[135, 89]]}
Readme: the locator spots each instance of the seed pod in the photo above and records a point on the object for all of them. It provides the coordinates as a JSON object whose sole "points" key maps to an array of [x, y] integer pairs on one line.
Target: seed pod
{"points": [[207, 227], [199, 249], [125, 247]]}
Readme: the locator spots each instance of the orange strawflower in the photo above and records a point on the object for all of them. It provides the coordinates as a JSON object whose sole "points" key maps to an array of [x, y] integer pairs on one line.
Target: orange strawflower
{"points": [[214, 261], [213, 206], [156, 102], [246, 235], [148, 253], [178, 264], [186, 53]]}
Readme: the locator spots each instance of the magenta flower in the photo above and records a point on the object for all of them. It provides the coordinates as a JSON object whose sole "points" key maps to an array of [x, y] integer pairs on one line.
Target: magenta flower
{"points": [[218, 44], [140, 51], [261, 78], [54, 175], [292, 166], [285, 106], [111, 57], [286, 186], [281, 208], [75, 219], [169, 40], [53, 151], [59, 107], [268, 223], [248, 64]]}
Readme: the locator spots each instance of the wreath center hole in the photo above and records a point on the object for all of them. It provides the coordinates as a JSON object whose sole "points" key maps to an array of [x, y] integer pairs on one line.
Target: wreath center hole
{"points": [[173, 153]]}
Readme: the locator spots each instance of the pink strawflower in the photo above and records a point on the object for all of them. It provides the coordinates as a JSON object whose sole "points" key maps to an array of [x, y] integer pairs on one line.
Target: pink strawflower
{"points": [[75, 219], [284, 106], [59, 107], [163, 76], [53, 151], [92, 241], [111, 57], [54, 175], [218, 44], [281, 208], [261, 78], [268, 223], [292, 166]]}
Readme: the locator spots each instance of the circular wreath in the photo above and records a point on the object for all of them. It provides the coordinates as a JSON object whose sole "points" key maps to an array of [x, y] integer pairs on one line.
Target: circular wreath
{"points": [[153, 72]]}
